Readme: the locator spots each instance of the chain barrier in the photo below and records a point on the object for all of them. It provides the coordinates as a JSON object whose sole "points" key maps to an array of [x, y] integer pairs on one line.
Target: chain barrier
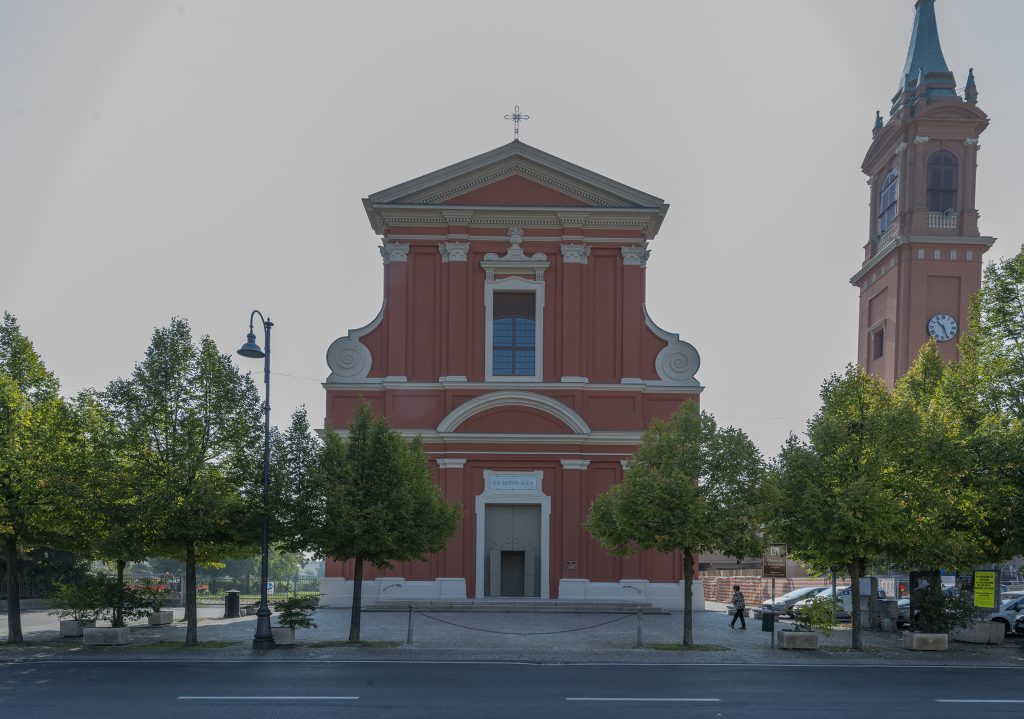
{"points": [[526, 634]]}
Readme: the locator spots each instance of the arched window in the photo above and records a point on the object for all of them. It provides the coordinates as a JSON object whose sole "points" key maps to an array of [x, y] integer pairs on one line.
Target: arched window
{"points": [[887, 200], [942, 178]]}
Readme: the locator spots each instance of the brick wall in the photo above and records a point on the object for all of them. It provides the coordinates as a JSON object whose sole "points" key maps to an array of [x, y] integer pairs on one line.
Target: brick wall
{"points": [[757, 589]]}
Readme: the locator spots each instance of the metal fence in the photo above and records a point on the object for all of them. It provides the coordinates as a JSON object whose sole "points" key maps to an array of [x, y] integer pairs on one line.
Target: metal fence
{"points": [[211, 590]]}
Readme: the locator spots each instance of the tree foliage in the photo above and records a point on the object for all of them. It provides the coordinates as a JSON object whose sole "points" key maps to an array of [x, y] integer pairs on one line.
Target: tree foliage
{"points": [[840, 497], [191, 426], [369, 497], [36, 436], [690, 487]]}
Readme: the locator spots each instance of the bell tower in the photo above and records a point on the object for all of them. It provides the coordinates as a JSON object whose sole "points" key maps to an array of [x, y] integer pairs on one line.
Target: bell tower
{"points": [[923, 258]]}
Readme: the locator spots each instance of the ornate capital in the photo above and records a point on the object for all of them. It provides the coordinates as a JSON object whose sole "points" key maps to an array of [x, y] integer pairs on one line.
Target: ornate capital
{"points": [[635, 255], [454, 251], [575, 254], [394, 252], [921, 139]]}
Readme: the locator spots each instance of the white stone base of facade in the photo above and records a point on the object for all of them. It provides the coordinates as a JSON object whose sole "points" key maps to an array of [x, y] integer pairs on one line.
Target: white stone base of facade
{"points": [[337, 591], [661, 595]]}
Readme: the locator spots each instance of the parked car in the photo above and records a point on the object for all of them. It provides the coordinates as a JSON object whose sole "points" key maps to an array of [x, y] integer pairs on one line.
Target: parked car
{"points": [[825, 593], [1018, 624], [784, 604], [1008, 612]]}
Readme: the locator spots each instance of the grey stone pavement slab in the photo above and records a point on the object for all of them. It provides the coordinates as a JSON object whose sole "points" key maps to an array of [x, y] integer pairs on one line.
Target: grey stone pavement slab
{"points": [[499, 636]]}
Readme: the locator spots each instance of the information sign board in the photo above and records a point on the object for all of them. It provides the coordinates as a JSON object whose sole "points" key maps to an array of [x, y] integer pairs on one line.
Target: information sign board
{"points": [[774, 563], [986, 593]]}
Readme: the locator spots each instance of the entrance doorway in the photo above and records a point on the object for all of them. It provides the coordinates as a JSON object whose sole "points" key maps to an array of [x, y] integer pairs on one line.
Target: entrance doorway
{"points": [[513, 574], [512, 558]]}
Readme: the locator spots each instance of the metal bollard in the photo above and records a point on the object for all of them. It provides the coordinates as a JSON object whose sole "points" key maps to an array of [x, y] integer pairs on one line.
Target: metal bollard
{"points": [[408, 636], [640, 629]]}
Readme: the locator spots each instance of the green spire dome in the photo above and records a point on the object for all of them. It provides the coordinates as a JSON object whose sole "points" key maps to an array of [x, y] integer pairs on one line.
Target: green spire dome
{"points": [[925, 74]]}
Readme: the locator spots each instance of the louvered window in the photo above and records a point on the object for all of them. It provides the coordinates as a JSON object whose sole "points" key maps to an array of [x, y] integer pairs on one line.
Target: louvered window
{"points": [[942, 181]]}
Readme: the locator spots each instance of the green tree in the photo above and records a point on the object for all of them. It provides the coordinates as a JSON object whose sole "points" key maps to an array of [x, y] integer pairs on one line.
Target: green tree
{"points": [[963, 460], [690, 487], [36, 432], [369, 498], [192, 425], [994, 343], [839, 498]]}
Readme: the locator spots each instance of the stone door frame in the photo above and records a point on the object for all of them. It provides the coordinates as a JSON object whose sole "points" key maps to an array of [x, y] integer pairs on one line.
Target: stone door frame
{"points": [[532, 495]]}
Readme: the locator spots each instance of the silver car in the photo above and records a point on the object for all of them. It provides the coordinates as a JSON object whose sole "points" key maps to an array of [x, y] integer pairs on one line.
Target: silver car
{"points": [[784, 604]]}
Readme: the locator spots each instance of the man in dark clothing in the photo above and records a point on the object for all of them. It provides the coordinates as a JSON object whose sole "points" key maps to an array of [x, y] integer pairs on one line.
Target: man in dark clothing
{"points": [[739, 604]]}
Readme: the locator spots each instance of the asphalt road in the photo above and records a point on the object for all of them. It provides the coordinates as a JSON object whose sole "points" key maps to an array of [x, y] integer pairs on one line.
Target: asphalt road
{"points": [[257, 689]]}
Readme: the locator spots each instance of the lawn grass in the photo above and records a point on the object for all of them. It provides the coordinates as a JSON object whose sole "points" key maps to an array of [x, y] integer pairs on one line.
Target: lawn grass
{"points": [[676, 646], [345, 643]]}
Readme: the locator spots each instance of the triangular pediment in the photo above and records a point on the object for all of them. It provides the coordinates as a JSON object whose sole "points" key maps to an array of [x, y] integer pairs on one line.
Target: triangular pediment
{"points": [[515, 174]]}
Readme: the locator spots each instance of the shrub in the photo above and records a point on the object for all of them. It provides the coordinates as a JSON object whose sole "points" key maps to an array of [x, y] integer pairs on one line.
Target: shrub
{"points": [[295, 613], [816, 615], [153, 593], [939, 611], [97, 597]]}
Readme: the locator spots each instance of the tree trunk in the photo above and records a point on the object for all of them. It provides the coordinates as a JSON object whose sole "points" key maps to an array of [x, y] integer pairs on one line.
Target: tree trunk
{"points": [[191, 629], [357, 601], [687, 598], [856, 569], [117, 620], [14, 635]]}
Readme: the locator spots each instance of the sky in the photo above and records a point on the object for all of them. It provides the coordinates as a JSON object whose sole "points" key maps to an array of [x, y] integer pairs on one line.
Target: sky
{"points": [[201, 159]]}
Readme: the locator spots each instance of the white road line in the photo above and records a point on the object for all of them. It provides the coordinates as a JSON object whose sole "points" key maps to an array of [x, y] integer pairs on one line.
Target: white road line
{"points": [[265, 698], [981, 701], [641, 699]]}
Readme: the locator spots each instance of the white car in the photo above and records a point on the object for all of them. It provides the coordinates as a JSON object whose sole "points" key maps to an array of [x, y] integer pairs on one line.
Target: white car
{"points": [[1008, 612]]}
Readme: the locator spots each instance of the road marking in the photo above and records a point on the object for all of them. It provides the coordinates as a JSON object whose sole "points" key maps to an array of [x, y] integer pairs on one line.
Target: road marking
{"points": [[981, 701], [266, 698], [641, 699]]}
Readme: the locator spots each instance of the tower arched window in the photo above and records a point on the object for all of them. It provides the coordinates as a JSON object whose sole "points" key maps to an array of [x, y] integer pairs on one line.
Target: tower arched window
{"points": [[942, 180], [887, 200]]}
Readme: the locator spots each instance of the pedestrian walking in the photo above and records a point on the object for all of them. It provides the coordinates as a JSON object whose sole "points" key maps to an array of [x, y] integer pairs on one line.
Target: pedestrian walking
{"points": [[739, 604]]}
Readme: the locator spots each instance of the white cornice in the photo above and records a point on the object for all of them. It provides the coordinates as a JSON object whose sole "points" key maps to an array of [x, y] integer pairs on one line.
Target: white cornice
{"points": [[902, 240], [516, 152], [647, 386], [594, 438]]}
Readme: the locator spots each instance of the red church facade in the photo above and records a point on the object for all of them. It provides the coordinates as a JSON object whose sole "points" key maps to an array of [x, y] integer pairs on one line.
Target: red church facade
{"points": [[515, 340]]}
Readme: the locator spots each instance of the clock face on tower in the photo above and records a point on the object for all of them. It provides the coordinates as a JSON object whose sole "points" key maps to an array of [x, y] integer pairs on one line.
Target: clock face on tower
{"points": [[942, 327]]}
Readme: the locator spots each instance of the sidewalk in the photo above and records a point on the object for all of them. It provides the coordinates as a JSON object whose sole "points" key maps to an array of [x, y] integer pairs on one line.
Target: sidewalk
{"points": [[505, 636]]}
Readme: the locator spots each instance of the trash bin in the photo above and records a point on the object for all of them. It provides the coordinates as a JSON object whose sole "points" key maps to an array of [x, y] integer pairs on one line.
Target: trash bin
{"points": [[767, 621], [232, 604]]}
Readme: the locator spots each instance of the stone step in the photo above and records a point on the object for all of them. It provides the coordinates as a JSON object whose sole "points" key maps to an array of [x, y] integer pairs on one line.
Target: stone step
{"points": [[524, 606]]}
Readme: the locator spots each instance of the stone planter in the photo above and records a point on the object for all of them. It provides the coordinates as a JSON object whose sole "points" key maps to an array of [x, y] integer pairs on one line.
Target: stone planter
{"points": [[981, 632], [160, 618], [104, 636], [919, 642], [789, 639], [73, 627], [283, 636]]}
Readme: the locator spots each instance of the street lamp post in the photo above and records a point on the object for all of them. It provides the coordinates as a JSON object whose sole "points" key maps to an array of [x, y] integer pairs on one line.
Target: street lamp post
{"points": [[264, 638]]}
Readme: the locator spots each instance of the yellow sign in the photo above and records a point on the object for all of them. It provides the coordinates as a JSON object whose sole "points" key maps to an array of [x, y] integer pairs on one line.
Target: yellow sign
{"points": [[985, 589]]}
